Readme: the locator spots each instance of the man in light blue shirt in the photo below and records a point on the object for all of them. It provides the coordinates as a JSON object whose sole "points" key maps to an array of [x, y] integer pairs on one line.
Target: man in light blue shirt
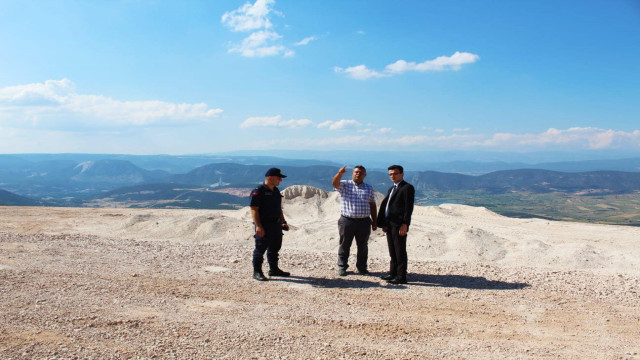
{"points": [[358, 217]]}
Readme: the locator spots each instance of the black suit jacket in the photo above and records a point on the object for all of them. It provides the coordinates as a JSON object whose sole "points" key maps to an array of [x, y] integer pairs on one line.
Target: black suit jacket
{"points": [[400, 207]]}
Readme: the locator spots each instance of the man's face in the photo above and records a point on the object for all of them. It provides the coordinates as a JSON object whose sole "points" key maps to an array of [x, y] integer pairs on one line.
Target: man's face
{"points": [[395, 176], [358, 175], [275, 180]]}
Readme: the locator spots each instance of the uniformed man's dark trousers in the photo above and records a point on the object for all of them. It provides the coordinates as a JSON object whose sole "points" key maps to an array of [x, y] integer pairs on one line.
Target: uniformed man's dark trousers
{"points": [[348, 229], [397, 251], [271, 242]]}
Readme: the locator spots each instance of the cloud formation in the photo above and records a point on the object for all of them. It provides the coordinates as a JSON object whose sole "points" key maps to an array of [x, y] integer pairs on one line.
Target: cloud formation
{"points": [[275, 121], [249, 17], [55, 104], [572, 139], [259, 44], [263, 41], [340, 125], [441, 63], [359, 72], [575, 137], [306, 41]]}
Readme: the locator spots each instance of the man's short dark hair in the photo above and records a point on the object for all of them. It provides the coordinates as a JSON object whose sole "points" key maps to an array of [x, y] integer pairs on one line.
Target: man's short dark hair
{"points": [[360, 167], [396, 167]]}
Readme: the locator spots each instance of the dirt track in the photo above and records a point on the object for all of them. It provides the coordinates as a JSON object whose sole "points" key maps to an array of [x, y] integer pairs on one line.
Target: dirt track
{"points": [[81, 296]]}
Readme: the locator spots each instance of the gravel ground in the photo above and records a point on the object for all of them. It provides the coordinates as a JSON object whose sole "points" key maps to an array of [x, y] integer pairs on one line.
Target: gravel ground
{"points": [[78, 296]]}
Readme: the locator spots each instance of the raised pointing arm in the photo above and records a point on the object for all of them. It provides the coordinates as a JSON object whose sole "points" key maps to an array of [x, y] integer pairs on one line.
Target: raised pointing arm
{"points": [[337, 177]]}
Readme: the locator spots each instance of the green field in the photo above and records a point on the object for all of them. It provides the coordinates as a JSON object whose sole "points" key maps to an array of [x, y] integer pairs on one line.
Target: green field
{"points": [[621, 209]]}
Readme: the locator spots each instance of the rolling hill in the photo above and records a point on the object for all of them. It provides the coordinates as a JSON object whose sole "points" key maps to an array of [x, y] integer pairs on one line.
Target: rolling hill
{"points": [[10, 199]]}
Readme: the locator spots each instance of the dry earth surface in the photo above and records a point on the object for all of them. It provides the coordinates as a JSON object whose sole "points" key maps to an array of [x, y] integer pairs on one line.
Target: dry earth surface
{"points": [[79, 283]]}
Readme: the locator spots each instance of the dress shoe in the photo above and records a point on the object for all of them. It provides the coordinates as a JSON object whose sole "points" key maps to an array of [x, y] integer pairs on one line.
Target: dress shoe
{"points": [[364, 272], [342, 272], [258, 275], [278, 272], [388, 277], [397, 280]]}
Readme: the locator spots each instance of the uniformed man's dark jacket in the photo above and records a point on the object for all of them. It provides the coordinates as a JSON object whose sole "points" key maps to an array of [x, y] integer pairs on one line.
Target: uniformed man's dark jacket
{"points": [[400, 207], [269, 203]]}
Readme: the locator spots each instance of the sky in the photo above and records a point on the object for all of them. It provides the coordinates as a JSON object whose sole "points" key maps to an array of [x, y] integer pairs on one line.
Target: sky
{"points": [[194, 77]]}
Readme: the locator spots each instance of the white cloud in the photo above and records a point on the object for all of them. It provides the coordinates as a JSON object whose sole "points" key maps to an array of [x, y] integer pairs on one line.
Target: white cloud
{"points": [[306, 41], [576, 138], [385, 130], [55, 104], [441, 63], [275, 121], [249, 17], [359, 72], [461, 129], [340, 125], [261, 43], [572, 138]]}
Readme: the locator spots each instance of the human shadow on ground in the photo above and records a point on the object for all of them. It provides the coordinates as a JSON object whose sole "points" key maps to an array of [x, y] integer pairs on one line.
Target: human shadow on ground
{"points": [[356, 281], [463, 282], [353, 281]]}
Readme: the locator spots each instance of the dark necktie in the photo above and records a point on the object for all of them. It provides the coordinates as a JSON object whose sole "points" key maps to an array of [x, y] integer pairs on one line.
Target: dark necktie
{"points": [[393, 191]]}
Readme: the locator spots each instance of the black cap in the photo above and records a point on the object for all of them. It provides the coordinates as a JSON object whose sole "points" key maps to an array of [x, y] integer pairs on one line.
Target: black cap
{"points": [[274, 172]]}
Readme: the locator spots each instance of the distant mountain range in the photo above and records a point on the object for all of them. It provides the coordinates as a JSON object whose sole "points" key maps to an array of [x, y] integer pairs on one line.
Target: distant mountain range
{"points": [[530, 180], [100, 180], [11, 199], [180, 164]]}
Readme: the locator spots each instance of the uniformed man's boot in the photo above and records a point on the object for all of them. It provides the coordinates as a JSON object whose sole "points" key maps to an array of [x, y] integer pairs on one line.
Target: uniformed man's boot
{"points": [[276, 271], [258, 275]]}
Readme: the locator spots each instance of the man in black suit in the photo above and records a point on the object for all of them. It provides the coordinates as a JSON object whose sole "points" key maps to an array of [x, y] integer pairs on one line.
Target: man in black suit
{"points": [[394, 218]]}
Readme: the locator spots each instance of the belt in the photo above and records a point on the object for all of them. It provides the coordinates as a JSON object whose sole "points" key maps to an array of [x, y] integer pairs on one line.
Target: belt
{"points": [[353, 218]]}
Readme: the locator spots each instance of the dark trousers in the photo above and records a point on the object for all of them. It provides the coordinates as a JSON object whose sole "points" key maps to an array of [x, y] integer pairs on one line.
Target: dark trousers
{"points": [[397, 251], [348, 229], [271, 242]]}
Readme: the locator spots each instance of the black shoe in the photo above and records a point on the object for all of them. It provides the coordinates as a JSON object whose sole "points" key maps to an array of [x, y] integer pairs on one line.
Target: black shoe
{"points": [[278, 272], [397, 280], [258, 275], [342, 272], [364, 272], [388, 277]]}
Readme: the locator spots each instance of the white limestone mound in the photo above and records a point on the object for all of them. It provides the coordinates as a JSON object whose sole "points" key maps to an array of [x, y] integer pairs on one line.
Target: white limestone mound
{"points": [[450, 232], [137, 219], [303, 191], [188, 225], [474, 244]]}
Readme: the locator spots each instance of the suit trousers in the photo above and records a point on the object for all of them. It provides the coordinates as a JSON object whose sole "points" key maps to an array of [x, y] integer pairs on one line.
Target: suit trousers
{"points": [[271, 242], [348, 229], [397, 251]]}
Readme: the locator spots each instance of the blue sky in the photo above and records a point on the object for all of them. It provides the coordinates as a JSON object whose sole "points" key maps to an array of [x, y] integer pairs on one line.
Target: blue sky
{"points": [[185, 77]]}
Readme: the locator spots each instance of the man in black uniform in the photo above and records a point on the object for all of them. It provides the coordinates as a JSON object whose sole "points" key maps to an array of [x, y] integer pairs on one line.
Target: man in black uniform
{"points": [[266, 211]]}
